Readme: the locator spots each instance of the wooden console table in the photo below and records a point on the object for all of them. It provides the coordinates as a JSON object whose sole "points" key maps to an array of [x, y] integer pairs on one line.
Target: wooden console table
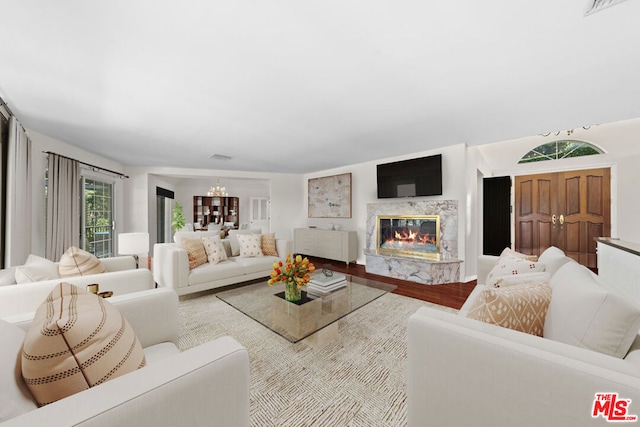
{"points": [[330, 244]]}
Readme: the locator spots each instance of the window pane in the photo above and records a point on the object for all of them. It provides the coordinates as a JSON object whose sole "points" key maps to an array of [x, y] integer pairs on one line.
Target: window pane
{"points": [[560, 150], [98, 218]]}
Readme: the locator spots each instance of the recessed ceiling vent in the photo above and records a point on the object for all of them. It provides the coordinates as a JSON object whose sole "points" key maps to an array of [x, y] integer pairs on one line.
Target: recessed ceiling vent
{"points": [[594, 6], [219, 157]]}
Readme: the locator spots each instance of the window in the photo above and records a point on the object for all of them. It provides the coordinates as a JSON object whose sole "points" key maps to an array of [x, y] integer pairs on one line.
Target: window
{"points": [[97, 218], [560, 150]]}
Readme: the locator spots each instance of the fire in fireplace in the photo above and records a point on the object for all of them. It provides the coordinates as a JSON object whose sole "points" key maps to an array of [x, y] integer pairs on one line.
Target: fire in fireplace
{"points": [[417, 235]]}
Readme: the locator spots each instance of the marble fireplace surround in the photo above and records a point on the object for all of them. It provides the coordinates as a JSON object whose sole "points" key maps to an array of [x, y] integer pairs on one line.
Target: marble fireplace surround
{"points": [[416, 269]]}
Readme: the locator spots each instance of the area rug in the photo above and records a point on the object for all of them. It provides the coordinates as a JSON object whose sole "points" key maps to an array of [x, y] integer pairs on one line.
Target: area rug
{"points": [[351, 374]]}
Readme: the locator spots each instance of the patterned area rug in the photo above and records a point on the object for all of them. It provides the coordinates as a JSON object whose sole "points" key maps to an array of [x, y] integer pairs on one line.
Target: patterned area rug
{"points": [[352, 373]]}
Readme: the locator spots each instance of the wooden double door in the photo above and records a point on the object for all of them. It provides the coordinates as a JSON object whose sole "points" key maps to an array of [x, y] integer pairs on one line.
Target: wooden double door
{"points": [[564, 209]]}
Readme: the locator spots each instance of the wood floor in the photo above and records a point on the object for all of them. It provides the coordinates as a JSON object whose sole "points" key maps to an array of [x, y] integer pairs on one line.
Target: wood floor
{"points": [[451, 295]]}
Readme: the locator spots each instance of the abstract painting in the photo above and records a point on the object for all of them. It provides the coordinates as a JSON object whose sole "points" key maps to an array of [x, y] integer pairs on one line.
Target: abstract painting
{"points": [[330, 196]]}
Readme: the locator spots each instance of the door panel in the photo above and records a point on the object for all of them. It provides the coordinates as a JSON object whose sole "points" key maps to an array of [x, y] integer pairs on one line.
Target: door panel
{"points": [[535, 196], [572, 209]]}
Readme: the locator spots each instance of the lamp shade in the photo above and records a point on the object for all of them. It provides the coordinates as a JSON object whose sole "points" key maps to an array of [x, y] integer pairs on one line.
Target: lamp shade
{"points": [[133, 243]]}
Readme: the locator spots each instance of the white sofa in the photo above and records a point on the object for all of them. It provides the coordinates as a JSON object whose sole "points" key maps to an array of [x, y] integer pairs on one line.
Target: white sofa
{"points": [[121, 277], [171, 264], [463, 372], [205, 385]]}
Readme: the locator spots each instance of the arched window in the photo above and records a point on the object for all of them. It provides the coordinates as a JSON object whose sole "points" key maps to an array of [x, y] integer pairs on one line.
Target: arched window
{"points": [[560, 150]]}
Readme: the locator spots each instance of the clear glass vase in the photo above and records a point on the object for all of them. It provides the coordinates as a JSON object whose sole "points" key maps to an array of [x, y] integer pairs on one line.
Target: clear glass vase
{"points": [[291, 292]]}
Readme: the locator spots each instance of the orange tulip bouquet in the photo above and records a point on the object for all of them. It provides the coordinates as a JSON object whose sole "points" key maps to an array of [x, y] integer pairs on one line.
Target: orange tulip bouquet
{"points": [[295, 273]]}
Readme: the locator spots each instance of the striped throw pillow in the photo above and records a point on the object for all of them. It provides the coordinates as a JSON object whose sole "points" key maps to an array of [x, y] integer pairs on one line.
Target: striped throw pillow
{"points": [[77, 340], [77, 262]]}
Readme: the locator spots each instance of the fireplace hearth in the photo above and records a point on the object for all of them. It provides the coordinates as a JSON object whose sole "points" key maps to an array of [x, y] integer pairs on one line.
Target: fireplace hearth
{"points": [[410, 235]]}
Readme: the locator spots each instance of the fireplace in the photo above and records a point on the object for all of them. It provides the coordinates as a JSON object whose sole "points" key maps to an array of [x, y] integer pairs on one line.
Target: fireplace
{"points": [[414, 235]]}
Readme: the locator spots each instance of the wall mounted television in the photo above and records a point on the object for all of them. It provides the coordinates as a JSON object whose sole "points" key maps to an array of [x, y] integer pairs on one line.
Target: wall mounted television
{"points": [[410, 178]]}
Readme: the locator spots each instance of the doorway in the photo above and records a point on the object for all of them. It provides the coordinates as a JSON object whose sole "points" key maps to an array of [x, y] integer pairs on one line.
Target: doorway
{"points": [[564, 209], [496, 202]]}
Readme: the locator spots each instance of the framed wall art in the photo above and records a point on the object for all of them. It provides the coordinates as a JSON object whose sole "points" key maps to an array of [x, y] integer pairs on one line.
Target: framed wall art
{"points": [[330, 196]]}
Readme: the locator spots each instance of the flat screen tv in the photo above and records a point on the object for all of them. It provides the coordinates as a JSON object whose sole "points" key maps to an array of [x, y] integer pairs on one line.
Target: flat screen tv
{"points": [[411, 178]]}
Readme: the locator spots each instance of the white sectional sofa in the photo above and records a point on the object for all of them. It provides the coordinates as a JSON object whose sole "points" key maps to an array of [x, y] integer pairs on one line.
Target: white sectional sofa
{"points": [[121, 277], [205, 385], [463, 372], [171, 264]]}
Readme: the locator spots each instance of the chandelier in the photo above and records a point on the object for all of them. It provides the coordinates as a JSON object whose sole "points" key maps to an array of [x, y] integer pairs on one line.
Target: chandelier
{"points": [[217, 191]]}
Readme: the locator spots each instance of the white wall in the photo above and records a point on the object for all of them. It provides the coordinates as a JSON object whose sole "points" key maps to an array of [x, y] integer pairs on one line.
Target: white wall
{"points": [[284, 190], [364, 191], [621, 143], [42, 143], [242, 188]]}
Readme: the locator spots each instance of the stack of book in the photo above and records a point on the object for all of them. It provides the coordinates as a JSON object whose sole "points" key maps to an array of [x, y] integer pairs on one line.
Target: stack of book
{"points": [[323, 285]]}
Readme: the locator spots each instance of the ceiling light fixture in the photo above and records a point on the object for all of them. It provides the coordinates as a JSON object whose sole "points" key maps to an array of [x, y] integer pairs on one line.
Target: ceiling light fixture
{"points": [[594, 6], [219, 157], [217, 191]]}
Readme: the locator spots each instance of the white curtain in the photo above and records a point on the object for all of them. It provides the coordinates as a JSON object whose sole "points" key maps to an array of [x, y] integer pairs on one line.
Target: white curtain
{"points": [[18, 225], [63, 206]]}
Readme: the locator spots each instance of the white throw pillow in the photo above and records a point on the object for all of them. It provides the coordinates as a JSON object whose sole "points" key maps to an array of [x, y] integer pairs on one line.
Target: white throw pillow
{"points": [[250, 245], [585, 313], [523, 279], [233, 239], [8, 276], [510, 252], [553, 258], [14, 395], [510, 266], [36, 269], [214, 248]]}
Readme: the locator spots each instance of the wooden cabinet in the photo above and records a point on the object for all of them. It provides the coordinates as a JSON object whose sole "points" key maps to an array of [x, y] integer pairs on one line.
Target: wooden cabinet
{"points": [[216, 210], [330, 244]]}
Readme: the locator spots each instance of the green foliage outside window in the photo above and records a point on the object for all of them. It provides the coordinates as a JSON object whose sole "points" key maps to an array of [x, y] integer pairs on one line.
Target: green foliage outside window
{"points": [[560, 150]]}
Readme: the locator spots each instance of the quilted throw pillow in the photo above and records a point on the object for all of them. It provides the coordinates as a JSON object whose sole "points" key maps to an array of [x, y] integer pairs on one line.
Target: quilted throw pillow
{"points": [[214, 249], [195, 251], [77, 340], [522, 308], [77, 262], [509, 265], [250, 245], [268, 244]]}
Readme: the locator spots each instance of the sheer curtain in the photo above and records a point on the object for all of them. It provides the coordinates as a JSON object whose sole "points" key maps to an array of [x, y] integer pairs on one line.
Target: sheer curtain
{"points": [[63, 205], [18, 225]]}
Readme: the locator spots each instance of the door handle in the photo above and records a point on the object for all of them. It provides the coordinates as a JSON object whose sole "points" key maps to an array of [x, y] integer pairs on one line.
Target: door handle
{"points": [[554, 219], [561, 219]]}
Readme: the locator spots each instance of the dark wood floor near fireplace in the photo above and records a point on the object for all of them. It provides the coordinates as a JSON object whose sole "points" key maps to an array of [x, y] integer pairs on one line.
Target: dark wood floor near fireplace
{"points": [[451, 295]]}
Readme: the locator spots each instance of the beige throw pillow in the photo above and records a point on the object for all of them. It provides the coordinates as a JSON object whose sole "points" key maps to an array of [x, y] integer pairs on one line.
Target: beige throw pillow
{"points": [[250, 245], [195, 251], [522, 308], [78, 262], [77, 340], [214, 249], [268, 244]]}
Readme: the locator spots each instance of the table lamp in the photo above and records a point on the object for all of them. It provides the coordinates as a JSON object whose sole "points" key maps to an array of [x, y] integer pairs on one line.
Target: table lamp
{"points": [[133, 244]]}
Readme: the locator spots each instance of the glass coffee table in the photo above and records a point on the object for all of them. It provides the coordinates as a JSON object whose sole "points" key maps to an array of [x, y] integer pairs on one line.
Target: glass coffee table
{"points": [[296, 321]]}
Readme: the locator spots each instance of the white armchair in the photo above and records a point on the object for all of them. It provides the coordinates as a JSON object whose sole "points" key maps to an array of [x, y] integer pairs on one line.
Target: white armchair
{"points": [[206, 385]]}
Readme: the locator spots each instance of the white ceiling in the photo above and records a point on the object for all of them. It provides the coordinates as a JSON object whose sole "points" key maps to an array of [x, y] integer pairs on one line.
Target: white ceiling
{"points": [[299, 86]]}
